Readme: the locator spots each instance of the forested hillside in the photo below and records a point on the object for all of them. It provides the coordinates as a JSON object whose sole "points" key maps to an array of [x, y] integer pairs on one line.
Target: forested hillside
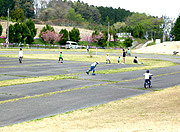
{"points": [[62, 12], [79, 14]]}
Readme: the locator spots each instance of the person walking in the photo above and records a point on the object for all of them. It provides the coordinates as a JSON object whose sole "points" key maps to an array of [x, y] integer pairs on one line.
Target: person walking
{"points": [[124, 56], [20, 55], [60, 58]]}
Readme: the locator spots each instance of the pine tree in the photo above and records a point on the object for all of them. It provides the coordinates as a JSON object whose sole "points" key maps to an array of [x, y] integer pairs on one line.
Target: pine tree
{"points": [[65, 36], [33, 31], [74, 35], [1, 29], [176, 29]]}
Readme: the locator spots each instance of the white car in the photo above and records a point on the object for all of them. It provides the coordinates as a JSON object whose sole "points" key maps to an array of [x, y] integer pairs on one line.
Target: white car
{"points": [[72, 45]]}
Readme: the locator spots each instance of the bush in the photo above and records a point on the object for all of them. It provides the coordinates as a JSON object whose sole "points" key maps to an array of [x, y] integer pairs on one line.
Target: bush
{"points": [[1, 29], [2, 40], [128, 42]]}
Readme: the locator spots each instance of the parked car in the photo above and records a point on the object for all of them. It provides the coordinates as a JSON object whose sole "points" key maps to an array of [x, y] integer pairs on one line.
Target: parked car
{"points": [[71, 45]]}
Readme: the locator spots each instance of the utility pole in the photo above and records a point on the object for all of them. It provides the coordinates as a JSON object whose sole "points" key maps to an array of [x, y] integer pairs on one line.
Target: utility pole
{"points": [[108, 37], [8, 30], [164, 29]]}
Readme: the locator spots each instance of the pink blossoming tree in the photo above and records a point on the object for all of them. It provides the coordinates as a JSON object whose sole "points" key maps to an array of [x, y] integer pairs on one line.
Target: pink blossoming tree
{"points": [[51, 37], [97, 37]]}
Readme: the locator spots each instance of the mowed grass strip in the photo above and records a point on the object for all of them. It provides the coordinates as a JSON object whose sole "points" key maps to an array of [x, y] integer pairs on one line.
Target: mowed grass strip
{"points": [[34, 80], [51, 93], [154, 63], [147, 64], [156, 112], [71, 50]]}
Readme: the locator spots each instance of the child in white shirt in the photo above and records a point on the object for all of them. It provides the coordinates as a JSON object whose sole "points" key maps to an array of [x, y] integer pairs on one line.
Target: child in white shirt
{"points": [[107, 58], [20, 55], [148, 76]]}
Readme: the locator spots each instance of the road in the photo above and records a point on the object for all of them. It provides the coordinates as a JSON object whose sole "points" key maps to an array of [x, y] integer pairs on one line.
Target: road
{"points": [[43, 99]]}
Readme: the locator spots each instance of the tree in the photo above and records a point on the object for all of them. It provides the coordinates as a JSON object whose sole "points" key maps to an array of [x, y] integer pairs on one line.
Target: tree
{"points": [[4, 5], [138, 31], [74, 34], [176, 29], [17, 33], [27, 6], [114, 15], [128, 42], [1, 29], [87, 12], [72, 15], [51, 37], [25, 32], [87, 38], [56, 9], [119, 26], [115, 36], [33, 31], [143, 23], [103, 41], [47, 27], [11, 33], [17, 14], [65, 36], [96, 37]]}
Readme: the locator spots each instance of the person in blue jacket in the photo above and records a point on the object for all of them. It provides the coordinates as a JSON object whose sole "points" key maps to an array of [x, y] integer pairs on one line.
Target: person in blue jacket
{"points": [[92, 68]]}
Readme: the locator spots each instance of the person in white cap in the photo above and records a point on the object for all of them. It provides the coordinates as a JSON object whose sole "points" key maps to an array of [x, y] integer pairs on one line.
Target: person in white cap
{"points": [[92, 68]]}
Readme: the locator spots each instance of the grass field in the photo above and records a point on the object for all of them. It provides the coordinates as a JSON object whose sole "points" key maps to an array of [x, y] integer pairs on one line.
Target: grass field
{"points": [[157, 111]]}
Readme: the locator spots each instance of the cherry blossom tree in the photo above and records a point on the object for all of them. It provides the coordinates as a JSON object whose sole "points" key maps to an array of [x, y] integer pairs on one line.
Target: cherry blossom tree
{"points": [[97, 37], [86, 38], [51, 37]]}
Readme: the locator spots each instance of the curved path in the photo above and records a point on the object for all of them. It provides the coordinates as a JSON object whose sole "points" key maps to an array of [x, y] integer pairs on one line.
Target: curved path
{"points": [[43, 99]]}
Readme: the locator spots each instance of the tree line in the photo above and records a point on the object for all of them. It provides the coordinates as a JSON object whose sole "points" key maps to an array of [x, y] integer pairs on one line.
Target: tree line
{"points": [[19, 9], [22, 32], [78, 13]]}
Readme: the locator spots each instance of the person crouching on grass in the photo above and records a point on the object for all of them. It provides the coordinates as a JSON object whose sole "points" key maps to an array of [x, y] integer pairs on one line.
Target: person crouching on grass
{"points": [[135, 60], [92, 68], [20, 55]]}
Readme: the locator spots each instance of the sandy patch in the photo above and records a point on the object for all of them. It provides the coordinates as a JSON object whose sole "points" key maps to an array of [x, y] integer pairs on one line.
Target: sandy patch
{"points": [[83, 32], [163, 48]]}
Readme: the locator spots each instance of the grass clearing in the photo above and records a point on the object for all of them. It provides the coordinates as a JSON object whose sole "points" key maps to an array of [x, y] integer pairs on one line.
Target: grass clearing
{"points": [[156, 111]]}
